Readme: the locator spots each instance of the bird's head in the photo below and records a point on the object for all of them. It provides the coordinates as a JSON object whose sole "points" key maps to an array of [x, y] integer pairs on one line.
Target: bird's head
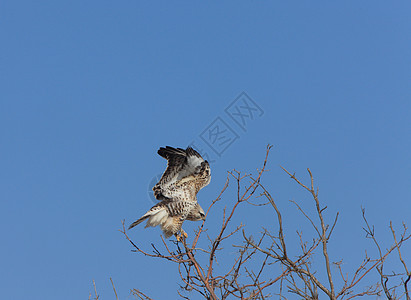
{"points": [[197, 214]]}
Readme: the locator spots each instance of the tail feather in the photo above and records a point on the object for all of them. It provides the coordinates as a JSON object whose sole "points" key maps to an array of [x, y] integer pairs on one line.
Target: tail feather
{"points": [[138, 221], [156, 216]]}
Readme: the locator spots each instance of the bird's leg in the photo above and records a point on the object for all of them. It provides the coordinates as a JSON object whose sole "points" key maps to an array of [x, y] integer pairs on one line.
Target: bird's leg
{"points": [[186, 210], [182, 236]]}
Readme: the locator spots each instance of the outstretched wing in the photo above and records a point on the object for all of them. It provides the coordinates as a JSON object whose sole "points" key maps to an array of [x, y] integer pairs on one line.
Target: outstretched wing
{"points": [[180, 164]]}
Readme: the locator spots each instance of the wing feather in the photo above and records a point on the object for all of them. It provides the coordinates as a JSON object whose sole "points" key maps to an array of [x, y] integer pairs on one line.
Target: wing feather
{"points": [[180, 164]]}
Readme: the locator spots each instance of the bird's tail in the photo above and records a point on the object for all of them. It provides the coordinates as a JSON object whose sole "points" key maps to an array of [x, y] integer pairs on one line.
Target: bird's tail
{"points": [[157, 215], [138, 221]]}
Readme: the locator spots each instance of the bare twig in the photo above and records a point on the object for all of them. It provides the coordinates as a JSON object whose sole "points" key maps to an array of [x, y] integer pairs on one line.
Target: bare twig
{"points": [[95, 290], [114, 289]]}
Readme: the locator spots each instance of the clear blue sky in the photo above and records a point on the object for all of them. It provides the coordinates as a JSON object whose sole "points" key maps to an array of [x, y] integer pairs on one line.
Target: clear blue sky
{"points": [[90, 90]]}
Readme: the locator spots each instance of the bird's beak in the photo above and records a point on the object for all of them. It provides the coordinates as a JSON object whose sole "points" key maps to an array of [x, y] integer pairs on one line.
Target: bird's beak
{"points": [[203, 218]]}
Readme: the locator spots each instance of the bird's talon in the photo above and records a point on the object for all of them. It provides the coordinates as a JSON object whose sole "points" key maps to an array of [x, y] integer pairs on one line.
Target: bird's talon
{"points": [[182, 236]]}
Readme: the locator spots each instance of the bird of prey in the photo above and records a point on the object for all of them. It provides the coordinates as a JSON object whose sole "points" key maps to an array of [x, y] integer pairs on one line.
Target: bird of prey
{"points": [[186, 174]]}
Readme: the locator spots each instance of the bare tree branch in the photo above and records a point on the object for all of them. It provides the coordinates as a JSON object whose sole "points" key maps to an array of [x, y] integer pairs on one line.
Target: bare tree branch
{"points": [[262, 267]]}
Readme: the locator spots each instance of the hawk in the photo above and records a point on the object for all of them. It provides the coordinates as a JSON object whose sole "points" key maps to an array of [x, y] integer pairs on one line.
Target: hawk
{"points": [[186, 174]]}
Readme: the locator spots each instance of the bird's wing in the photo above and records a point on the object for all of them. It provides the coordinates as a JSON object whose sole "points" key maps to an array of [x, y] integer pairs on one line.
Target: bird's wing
{"points": [[180, 164]]}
